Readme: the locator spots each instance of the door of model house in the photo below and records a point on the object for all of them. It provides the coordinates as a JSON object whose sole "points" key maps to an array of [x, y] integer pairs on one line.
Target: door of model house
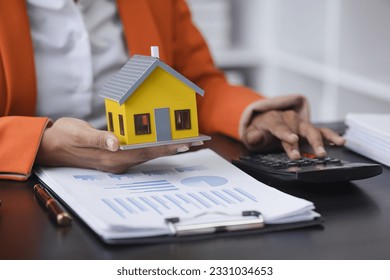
{"points": [[163, 124]]}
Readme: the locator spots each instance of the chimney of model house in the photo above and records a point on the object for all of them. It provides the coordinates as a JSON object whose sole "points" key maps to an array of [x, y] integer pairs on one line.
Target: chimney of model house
{"points": [[154, 51]]}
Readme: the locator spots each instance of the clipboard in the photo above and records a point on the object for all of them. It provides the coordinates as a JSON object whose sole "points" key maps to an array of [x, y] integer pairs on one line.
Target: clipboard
{"points": [[199, 232], [195, 227]]}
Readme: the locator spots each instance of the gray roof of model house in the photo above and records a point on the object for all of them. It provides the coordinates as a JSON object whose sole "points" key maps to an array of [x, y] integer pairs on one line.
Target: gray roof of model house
{"points": [[132, 75]]}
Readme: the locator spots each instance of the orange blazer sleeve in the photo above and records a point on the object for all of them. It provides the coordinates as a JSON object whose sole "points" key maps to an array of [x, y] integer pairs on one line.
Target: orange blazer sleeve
{"points": [[222, 106], [19, 141]]}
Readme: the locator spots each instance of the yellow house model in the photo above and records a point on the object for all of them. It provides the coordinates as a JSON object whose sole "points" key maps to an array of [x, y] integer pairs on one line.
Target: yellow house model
{"points": [[148, 103]]}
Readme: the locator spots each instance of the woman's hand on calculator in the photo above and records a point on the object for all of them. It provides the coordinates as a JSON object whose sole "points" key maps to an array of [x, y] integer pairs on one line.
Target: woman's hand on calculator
{"points": [[273, 128]]}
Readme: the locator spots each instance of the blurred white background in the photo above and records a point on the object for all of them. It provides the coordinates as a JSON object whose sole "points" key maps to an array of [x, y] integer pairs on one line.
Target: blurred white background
{"points": [[336, 52]]}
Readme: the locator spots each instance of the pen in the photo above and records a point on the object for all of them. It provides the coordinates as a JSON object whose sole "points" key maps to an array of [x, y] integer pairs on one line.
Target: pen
{"points": [[61, 217]]}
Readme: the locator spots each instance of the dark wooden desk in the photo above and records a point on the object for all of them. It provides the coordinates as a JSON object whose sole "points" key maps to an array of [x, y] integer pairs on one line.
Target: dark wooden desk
{"points": [[357, 226]]}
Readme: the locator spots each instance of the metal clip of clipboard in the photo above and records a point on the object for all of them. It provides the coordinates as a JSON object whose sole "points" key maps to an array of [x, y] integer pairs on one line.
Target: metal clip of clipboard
{"points": [[217, 226]]}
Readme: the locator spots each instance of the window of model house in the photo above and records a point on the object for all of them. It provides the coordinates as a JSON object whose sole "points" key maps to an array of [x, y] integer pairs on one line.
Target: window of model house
{"points": [[121, 125], [182, 119], [142, 124], [110, 122]]}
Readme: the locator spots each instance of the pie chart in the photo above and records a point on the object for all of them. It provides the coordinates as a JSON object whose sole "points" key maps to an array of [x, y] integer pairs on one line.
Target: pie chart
{"points": [[209, 181]]}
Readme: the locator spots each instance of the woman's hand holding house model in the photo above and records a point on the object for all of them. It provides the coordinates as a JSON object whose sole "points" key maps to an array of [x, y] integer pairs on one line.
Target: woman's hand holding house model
{"points": [[74, 142]]}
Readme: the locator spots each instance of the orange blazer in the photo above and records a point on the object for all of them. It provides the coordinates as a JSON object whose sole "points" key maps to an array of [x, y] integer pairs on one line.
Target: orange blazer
{"points": [[166, 24]]}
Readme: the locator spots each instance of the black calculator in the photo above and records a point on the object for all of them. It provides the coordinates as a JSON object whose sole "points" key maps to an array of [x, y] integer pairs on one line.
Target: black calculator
{"points": [[307, 169]]}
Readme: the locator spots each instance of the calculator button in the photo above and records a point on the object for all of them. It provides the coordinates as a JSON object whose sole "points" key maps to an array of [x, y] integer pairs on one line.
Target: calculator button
{"points": [[335, 160]]}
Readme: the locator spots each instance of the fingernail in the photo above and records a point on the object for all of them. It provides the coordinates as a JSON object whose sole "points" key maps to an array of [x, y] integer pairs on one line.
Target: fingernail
{"points": [[197, 143], [295, 153], [252, 136], [182, 149], [340, 141], [321, 151], [110, 144], [293, 137]]}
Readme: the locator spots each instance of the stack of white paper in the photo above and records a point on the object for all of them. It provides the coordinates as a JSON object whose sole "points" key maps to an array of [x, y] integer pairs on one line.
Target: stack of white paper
{"points": [[195, 184], [369, 135]]}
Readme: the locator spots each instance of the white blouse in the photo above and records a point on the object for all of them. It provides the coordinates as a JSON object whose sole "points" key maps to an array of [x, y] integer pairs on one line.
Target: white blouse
{"points": [[77, 48]]}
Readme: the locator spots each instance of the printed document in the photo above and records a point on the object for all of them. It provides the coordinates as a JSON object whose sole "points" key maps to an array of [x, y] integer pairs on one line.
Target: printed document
{"points": [[368, 135], [184, 186]]}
